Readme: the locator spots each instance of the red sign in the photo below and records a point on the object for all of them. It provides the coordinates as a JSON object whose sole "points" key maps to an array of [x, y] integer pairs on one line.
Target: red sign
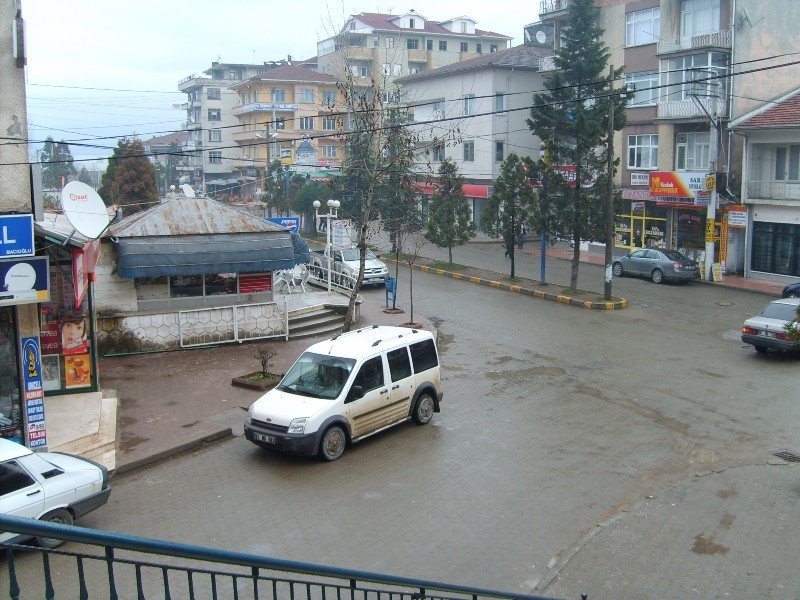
{"points": [[669, 184], [84, 261]]}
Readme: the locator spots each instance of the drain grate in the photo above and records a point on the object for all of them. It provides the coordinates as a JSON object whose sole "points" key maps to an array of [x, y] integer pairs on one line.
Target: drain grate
{"points": [[787, 455]]}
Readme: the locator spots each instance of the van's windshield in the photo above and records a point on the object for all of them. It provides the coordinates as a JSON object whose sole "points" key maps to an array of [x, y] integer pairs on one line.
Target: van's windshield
{"points": [[317, 375]]}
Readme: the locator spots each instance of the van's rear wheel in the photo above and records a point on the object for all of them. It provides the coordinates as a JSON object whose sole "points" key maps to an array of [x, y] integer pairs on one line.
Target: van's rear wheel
{"points": [[333, 443], [423, 410]]}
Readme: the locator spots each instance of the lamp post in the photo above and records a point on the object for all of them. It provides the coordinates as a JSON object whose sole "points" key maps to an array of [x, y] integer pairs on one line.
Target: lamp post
{"points": [[333, 206]]}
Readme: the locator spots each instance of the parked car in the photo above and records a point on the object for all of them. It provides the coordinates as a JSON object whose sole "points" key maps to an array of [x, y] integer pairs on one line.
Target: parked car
{"points": [[767, 330], [791, 291], [48, 486], [658, 265]]}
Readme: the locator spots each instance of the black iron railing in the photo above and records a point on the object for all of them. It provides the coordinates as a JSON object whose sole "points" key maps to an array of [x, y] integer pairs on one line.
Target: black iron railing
{"points": [[118, 566]]}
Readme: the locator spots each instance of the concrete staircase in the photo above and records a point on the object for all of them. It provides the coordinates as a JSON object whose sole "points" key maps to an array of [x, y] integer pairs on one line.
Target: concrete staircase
{"points": [[314, 321]]}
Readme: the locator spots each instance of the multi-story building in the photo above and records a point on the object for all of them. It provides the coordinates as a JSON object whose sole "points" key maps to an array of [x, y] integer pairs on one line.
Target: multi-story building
{"points": [[693, 65], [289, 113], [165, 150], [383, 47], [473, 112]]}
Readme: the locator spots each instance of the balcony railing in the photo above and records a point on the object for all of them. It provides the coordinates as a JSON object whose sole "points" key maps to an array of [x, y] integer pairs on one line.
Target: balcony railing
{"points": [[547, 7], [689, 109], [118, 566], [774, 190], [722, 39]]}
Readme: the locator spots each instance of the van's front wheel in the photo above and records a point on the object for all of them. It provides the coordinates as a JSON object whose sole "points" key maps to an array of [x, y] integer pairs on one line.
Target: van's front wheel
{"points": [[333, 442], [423, 410]]}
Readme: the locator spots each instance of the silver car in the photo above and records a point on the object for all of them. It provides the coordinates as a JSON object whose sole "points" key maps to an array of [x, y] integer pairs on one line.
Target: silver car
{"points": [[767, 330], [657, 265]]}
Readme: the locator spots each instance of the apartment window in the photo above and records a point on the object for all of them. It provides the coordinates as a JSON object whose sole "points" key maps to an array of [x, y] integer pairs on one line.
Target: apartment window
{"points": [[464, 47], [499, 102], [214, 135], [692, 151], [278, 95], [397, 70], [365, 70], [463, 26], [214, 114], [245, 98], [255, 96], [469, 104], [280, 123], [438, 153], [411, 23], [213, 93], [376, 41], [390, 42], [234, 75], [787, 163], [469, 151], [386, 69], [429, 44], [328, 98], [492, 48], [642, 27], [688, 75], [307, 95], [329, 123], [413, 70], [644, 86], [499, 152], [443, 45], [699, 16], [215, 157], [412, 44], [329, 151], [479, 48], [643, 151], [306, 122]]}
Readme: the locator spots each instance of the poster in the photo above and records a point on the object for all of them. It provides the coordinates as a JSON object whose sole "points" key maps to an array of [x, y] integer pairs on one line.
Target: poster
{"points": [[51, 372], [73, 336], [77, 370]]}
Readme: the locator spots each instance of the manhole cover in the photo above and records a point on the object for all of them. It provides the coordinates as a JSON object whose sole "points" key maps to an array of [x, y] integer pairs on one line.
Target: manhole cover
{"points": [[787, 455], [723, 303]]}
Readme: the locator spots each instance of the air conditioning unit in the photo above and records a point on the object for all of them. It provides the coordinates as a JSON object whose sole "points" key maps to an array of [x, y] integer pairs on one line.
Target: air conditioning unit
{"points": [[540, 34]]}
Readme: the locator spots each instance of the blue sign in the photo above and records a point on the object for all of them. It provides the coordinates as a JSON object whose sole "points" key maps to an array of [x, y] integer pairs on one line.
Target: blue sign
{"points": [[24, 281], [290, 223], [34, 393], [16, 236]]}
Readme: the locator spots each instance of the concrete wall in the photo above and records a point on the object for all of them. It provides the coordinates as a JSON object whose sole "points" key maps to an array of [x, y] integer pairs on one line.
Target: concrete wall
{"points": [[112, 293]]}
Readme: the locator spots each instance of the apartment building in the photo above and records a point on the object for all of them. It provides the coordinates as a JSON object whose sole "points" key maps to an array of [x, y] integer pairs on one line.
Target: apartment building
{"points": [[289, 113], [694, 65], [383, 47], [473, 112]]}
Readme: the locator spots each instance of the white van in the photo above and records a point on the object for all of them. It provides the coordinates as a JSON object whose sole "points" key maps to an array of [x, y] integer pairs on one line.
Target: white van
{"points": [[347, 388]]}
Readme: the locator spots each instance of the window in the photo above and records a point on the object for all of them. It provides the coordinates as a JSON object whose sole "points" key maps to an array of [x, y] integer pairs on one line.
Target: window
{"points": [[233, 75], [411, 23], [214, 135], [438, 153], [787, 163], [642, 27], [692, 151], [214, 114], [185, 286], [364, 70], [429, 44], [329, 123], [255, 95], [306, 95], [397, 70], [492, 48], [413, 70], [699, 16], [469, 104], [643, 151], [775, 248], [686, 76], [220, 284], [278, 95], [423, 356], [370, 376], [443, 45], [464, 47], [13, 477], [215, 157], [463, 25], [412, 44], [644, 86], [479, 48], [499, 101], [390, 42], [376, 41], [499, 152], [213, 93], [386, 69], [306, 122], [280, 123], [469, 151], [329, 97], [329, 151]]}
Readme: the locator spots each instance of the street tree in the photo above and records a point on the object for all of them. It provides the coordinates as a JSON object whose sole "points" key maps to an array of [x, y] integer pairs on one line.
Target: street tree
{"points": [[274, 195], [513, 205], [130, 180], [450, 222], [58, 166], [166, 168], [303, 202], [572, 118], [85, 177]]}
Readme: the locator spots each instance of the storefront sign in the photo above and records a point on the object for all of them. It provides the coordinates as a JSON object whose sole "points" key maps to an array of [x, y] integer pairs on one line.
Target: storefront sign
{"points": [[640, 178], [737, 216], [341, 235], [24, 281], [33, 392], [84, 261], [290, 223], [16, 235], [723, 246], [678, 184], [628, 194]]}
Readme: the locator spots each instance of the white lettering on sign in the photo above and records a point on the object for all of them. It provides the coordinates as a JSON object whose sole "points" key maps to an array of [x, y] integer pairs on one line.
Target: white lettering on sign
{"points": [[6, 239]]}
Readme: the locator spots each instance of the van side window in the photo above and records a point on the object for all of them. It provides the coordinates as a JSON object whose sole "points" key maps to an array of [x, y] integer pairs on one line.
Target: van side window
{"points": [[399, 364], [423, 354], [370, 376]]}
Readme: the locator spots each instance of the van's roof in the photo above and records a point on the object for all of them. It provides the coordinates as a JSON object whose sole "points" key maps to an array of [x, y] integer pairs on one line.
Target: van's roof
{"points": [[10, 450], [355, 344]]}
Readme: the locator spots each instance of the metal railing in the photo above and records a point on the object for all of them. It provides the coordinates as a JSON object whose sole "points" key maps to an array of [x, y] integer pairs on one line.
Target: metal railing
{"points": [[318, 275], [119, 566], [715, 39], [551, 6], [689, 109]]}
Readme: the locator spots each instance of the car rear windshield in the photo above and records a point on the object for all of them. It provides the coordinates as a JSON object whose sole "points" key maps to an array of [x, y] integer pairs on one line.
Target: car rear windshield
{"points": [[778, 310], [673, 255], [317, 375], [352, 254]]}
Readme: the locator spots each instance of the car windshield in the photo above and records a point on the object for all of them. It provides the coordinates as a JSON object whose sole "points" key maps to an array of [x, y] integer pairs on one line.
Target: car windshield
{"points": [[351, 254], [317, 376], [673, 255], [779, 310]]}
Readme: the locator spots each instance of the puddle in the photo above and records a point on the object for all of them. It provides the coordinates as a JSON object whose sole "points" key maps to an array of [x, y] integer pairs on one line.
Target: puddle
{"points": [[706, 545], [188, 425]]}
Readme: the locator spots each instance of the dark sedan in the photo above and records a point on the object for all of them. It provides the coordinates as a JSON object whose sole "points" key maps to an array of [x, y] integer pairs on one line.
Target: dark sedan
{"points": [[791, 291], [657, 265]]}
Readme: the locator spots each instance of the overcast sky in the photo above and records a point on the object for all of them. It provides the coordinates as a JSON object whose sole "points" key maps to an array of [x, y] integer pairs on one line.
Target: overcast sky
{"points": [[133, 53]]}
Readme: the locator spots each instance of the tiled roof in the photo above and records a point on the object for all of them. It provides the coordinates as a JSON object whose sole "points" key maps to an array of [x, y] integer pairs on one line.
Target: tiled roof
{"points": [[518, 57], [782, 114], [383, 21], [177, 138], [296, 73]]}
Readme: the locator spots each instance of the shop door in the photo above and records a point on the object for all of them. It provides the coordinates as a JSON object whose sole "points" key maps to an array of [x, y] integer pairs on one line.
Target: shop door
{"points": [[637, 232]]}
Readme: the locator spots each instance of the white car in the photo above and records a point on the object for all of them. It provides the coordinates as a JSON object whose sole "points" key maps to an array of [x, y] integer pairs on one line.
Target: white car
{"points": [[49, 486], [767, 330]]}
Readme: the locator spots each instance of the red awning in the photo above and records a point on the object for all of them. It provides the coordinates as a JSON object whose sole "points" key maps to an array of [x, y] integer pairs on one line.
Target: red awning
{"points": [[470, 190]]}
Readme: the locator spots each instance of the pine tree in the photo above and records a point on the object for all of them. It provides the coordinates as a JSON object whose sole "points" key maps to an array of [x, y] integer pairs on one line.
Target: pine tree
{"points": [[273, 195], [450, 222], [58, 166], [130, 180], [572, 119]]}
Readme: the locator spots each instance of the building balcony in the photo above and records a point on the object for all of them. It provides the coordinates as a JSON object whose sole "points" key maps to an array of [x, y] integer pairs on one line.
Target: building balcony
{"points": [[254, 107], [260, 135], [717, 40], [783, 191], [552, 8], [418, 56], [691, 109], [358, 53]]}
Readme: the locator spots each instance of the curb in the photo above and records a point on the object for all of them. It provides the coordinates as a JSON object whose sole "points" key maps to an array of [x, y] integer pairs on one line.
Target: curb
{"points": [[214, 436]]}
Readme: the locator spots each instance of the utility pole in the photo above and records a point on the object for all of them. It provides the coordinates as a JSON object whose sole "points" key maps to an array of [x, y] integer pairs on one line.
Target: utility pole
{"points": [[609, 257]]}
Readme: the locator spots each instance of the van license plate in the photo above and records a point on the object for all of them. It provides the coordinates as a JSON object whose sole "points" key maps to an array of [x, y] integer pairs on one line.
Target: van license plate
{"points": [[267, 439]]}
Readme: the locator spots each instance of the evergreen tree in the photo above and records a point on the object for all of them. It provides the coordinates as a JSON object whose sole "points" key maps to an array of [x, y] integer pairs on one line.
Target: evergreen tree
{"points": [[130, 180], [274, 195], [58, 166], [450, 222], [513, 205], [572, 118], [166, 168], [85, 177]]}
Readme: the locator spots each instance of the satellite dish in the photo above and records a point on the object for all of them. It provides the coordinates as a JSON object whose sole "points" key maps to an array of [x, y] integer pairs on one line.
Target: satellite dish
{"points": [[188, 191], [84, 209]]}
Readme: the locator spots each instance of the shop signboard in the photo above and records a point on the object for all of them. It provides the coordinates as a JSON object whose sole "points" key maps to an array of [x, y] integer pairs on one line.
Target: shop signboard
{"points": [[34, 393], [341, 234], [679, 184], [640, 178], [16, 236], [737, 216], [290, 223], [24, 281], [84, 261]]}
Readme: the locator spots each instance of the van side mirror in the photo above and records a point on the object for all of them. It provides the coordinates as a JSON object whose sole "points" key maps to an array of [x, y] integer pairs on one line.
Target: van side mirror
{"points": [[356, 393]]}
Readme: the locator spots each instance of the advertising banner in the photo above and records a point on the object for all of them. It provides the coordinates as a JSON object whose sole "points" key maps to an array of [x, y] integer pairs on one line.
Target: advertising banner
{"points": [[290, 223], [33, 393], [24, 281], [16, 236], [737, 216], [679, 184]]}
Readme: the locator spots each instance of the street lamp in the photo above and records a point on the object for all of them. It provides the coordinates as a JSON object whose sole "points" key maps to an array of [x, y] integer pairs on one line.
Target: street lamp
{"points": [[333, 206]]}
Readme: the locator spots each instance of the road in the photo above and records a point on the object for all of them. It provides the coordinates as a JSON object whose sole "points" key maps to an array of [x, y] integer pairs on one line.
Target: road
{"points": [[556, 423]]}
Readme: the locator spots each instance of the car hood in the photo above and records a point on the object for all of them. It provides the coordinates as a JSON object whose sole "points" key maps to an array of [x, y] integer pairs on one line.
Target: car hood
{"points": [[368, 264], [766, 323], [281, 407], [67, 462]]}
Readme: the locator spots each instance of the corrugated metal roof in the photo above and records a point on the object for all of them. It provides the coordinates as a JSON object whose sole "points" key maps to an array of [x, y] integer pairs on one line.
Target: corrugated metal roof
{"points": [[57, 227], [190, 216]]}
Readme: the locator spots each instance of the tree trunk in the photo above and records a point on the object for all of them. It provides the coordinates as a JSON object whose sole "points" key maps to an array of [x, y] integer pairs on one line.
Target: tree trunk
{"points": [[450, 254]]}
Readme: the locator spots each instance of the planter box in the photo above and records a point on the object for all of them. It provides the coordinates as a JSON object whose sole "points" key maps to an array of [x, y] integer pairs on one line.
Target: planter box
{"points": [[262, 386]]}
